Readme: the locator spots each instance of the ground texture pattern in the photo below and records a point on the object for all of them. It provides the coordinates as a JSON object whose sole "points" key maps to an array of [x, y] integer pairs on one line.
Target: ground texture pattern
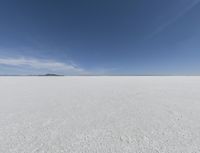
{"points": [[100, 114]]}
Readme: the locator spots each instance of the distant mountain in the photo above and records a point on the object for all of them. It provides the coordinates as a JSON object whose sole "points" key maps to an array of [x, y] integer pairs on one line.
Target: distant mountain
{"points": [[51, 74], [48, 74]]}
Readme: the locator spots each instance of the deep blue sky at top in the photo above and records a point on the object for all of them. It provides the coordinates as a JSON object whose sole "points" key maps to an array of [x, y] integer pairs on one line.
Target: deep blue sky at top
{"points": [[101, 36]]}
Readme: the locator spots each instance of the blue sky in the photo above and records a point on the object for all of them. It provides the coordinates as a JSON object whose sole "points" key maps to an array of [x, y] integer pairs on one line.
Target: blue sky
{"points": [[105, 37]]}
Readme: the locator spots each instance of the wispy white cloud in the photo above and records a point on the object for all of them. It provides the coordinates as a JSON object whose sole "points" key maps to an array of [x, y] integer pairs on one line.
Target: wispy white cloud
{"points": [[42, 64]]}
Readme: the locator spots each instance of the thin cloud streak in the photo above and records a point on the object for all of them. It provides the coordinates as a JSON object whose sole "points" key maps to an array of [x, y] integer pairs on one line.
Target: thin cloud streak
{"points": [[179, 15], [42, 64]]}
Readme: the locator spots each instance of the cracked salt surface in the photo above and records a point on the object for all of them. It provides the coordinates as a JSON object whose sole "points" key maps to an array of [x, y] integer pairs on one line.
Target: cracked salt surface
{"points": [[99, 114]]}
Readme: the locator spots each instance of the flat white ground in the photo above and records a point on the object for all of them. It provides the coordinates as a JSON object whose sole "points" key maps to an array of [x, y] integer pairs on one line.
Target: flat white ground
{"points": [[99, 114]]}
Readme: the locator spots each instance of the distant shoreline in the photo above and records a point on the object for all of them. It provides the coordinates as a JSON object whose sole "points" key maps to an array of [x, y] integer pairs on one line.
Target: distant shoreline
{"points": [[85, 75]]}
